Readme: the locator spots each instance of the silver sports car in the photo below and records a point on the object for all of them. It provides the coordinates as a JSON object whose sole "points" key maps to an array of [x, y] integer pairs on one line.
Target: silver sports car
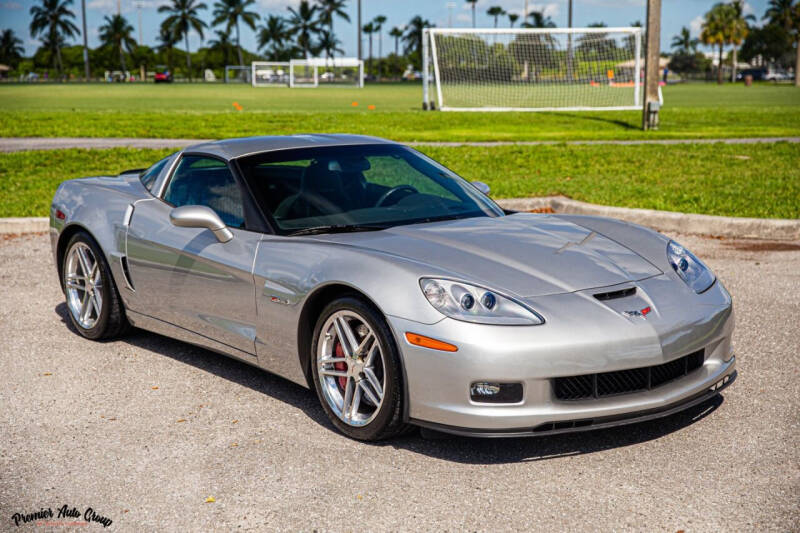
{"points": [[398, 291]]}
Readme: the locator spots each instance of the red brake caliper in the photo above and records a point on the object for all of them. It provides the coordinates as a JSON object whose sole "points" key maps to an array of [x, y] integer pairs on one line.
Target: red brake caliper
{"points": [[339, 351]]}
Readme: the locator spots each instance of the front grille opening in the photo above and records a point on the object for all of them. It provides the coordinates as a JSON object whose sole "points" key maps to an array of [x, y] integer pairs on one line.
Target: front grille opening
{"points": [[591, 386], [613, 295]]}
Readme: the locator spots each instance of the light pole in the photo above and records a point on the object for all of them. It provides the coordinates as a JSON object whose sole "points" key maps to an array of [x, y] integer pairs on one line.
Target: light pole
{"points": [[359, 29], [85, 42], [569, 41], [450, 6]]}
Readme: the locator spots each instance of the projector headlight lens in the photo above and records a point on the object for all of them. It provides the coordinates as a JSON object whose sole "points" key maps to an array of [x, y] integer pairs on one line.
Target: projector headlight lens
{"points": [[689, 268], [470, 303]]}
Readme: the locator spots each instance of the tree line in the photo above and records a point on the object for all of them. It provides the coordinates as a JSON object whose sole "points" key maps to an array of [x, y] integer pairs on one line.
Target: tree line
{"points": [[727, 25], [304, 31]]}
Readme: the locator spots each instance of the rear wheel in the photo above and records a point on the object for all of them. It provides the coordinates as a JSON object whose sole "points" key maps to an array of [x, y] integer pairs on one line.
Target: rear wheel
{"points": [[356, 370], [93, 302]]}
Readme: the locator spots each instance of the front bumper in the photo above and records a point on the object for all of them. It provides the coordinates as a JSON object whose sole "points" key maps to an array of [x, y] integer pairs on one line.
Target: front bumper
{"points": [[438, 383]]}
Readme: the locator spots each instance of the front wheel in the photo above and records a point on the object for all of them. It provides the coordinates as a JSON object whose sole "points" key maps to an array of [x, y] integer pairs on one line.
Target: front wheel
{"points": [[356, 370]]}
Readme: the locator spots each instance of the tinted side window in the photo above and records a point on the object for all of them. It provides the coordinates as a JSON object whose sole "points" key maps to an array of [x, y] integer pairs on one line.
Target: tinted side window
{"points": [[150, 175], [206, 181]]}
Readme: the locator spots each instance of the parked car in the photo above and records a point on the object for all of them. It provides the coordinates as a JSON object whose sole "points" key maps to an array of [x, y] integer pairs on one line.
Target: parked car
{"points": [[162, 75], [758, 74], [398, 291]]}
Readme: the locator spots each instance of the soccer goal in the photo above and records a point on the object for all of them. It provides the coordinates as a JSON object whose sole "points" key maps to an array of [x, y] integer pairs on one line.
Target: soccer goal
{"points": [[556, 69], [333, 72], [269, 73], [237, 74]]}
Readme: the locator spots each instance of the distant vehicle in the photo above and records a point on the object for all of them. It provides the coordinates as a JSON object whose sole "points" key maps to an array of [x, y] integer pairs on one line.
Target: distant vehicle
{"points": [[411, 75], [777, 75], [163, 74], [759, 74]]}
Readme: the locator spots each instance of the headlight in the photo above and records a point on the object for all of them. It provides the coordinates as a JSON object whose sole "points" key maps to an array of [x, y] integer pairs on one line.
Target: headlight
{"points": [[469, 303], [689, 268]]}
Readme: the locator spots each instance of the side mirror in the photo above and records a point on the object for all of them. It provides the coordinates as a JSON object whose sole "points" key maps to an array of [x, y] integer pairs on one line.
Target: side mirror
{"points": [[482, 187], [200, 216]]}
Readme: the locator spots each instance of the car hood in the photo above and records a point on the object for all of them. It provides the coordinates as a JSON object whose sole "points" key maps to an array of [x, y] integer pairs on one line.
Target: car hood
{"points": [[526, 254]]}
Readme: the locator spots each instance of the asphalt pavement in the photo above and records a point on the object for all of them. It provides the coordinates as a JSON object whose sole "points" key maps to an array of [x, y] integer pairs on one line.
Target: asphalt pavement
{"points": [[154, 434]]}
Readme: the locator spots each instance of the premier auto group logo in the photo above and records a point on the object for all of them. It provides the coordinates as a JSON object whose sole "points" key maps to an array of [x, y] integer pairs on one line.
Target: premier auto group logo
{"points": [[63, 516]]}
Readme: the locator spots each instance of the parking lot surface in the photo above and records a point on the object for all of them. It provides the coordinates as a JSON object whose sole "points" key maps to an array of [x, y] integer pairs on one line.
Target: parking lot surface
{"points": [[147, 431]]}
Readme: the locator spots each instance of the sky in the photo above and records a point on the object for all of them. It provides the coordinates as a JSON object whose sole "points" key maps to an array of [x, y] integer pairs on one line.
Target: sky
{"points": [[14, 14]]}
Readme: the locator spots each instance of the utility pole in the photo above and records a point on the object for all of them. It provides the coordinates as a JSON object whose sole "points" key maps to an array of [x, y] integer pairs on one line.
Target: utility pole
{"points": [[525, 12], [139, 10], [569, 41], [651, 77], [85, 43], [359, 29]]}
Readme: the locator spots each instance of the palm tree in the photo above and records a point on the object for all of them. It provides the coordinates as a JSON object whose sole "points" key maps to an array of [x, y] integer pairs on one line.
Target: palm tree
{"points": [[397, 34], [378, 23], [472, 5], [183, 17], [512, 19], [714, 31], [738, 28], [305, 24], [413, 36], [166, 43], [52, 21], [786, 15], [274, 32], [538, 20], [329, 8], [369, 29], [11, 49], [780, 12], [684, 42], [116, 34], [329, 43], [223, 44], [231, 12], [496, 12]]}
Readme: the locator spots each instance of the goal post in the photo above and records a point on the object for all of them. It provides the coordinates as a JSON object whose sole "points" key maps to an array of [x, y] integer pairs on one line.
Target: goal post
{"points": [[532, 69], [237, 74], [332, 72], [269, 73]]}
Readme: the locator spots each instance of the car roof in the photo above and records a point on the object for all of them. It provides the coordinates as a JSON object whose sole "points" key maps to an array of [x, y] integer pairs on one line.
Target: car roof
{"points": [[233, 148]]}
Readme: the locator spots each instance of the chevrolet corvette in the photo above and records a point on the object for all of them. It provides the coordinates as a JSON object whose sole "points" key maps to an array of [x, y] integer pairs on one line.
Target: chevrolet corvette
{"points": [[398, 291]]}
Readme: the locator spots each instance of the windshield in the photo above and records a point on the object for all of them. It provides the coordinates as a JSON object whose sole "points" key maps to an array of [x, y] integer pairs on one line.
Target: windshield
{"points": [[368, 186]]}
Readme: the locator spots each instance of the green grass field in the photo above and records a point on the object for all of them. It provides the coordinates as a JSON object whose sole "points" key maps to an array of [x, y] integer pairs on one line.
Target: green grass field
{"points": [[207, 111], [742, 180]]}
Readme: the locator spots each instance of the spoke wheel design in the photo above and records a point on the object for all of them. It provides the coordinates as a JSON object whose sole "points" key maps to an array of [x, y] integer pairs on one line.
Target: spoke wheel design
{"points": [[351, 368], [83, 284]]}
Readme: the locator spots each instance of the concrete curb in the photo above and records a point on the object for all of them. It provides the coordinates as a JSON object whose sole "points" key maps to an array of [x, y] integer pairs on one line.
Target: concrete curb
{"points": [[10, 226], [716, 226], [734, 227]]}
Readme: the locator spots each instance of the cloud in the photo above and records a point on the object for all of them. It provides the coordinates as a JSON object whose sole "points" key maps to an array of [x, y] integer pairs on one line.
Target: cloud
{"points": [[110, 6], [10, 5], [696, 25], [464, 17]]}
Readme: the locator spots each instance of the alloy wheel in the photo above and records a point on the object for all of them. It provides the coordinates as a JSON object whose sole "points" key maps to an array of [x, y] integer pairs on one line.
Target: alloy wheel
{"points": [[83, 285], [350, 365]]}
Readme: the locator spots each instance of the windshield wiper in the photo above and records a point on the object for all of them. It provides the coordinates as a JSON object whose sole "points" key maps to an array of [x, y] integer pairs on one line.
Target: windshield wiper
{"points": [[336, 228]]}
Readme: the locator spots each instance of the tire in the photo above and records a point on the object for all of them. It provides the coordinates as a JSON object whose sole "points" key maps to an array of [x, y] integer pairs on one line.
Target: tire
{"points": [[82, 252], [360, 371]]}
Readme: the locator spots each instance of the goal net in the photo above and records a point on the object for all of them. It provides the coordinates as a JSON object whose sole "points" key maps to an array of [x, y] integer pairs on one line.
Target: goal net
{"points": [[269, 73], [532, 69], [316, 72], [237, 74]]}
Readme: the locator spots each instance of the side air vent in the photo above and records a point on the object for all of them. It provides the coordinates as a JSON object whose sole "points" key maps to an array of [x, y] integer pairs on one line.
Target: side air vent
{"points": [[613, 295], [127, 273]]}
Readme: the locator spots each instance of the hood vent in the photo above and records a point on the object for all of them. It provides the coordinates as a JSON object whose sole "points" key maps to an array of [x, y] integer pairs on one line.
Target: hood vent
{"points": [[613, 295]]}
